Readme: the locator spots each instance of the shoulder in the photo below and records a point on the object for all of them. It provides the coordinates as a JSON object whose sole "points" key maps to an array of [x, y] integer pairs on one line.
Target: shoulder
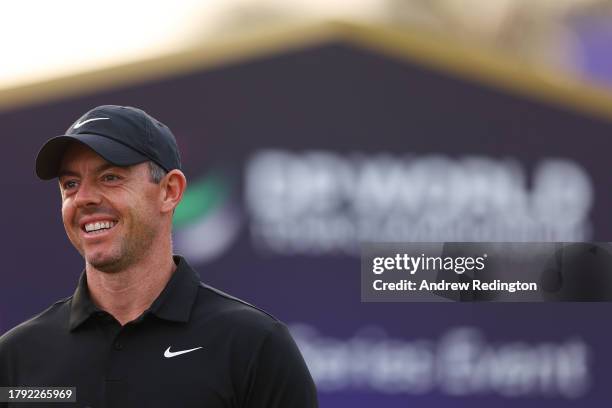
{"points": [[54, 318], [244, 331], [265, 362], [214, 305]]}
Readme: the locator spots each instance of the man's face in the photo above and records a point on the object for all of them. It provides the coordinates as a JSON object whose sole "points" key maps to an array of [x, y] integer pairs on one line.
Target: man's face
{"points": [[111, 214]]}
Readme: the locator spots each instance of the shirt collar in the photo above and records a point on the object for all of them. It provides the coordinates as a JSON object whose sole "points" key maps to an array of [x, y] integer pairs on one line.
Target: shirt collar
{"points": [[174, 303], [81, 306]]}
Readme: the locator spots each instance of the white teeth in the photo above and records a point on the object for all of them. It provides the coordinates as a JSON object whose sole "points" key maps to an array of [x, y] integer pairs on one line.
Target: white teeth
{"points": [[97, 226]]}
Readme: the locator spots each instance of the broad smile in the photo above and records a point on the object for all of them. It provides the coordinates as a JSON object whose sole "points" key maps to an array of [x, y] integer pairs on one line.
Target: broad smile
{"points": [[98, 228]]}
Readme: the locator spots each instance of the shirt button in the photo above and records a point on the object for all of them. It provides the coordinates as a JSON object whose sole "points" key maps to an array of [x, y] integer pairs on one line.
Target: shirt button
{"points": [[118, 346]]}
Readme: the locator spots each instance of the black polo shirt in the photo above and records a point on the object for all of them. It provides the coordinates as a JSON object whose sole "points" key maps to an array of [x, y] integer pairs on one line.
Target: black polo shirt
{"points": [[194, 347]]}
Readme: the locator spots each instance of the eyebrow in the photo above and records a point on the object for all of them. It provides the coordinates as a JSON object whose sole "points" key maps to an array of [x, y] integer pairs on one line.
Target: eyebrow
{"points": [[99, 169]]}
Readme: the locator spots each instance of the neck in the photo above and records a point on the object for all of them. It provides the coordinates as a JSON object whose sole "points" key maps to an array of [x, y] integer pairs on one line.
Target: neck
{"points": [[128, 293]]}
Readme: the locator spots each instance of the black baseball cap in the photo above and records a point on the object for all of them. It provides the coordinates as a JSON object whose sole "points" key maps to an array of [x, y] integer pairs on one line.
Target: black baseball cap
{"points": [[122, 135]]}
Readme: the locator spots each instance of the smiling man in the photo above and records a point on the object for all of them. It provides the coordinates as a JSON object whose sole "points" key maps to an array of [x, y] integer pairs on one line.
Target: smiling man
{"points": [[141, 330]]}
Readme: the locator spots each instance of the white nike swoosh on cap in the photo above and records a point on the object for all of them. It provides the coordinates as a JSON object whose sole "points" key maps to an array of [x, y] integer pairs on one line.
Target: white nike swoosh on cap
{"points": [[170, 354], [78, 125]]}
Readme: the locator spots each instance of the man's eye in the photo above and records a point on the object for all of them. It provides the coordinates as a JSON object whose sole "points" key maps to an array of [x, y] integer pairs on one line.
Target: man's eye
{"points": [[70, 184], [110, 177]]}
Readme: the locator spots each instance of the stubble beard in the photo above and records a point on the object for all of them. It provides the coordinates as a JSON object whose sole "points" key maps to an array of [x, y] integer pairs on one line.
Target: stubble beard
{"points": [[127, 252]]}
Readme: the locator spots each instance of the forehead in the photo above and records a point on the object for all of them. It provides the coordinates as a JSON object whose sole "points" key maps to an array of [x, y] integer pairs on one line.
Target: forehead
{"points": [[79, 159], [79, 156]]}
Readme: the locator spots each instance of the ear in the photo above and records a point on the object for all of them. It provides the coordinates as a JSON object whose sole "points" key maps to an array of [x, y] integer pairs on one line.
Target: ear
{"points": [[173, 186]]}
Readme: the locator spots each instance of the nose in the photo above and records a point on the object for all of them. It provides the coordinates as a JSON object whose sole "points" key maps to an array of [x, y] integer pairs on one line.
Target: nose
{"points": [[87, 195]]}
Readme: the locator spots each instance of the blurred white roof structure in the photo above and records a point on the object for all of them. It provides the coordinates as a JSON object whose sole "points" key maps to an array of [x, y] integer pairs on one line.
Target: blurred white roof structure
{"points": [[44, 40], [63, 37], [66, 47]]}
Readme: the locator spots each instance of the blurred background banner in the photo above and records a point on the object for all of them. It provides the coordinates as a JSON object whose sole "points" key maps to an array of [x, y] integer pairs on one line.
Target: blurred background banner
{"points": [[303, 137]]}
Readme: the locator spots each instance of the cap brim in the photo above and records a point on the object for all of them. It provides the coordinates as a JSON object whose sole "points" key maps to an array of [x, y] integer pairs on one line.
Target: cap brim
{"points": [[50, 156]]}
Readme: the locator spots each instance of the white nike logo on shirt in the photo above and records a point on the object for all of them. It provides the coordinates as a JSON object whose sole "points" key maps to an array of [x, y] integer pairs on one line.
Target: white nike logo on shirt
{"points": [[78, 125], [170, 354]]}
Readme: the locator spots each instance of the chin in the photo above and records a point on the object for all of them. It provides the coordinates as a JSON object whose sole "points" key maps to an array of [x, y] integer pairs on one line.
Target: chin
{"points": [[105, 263]]}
